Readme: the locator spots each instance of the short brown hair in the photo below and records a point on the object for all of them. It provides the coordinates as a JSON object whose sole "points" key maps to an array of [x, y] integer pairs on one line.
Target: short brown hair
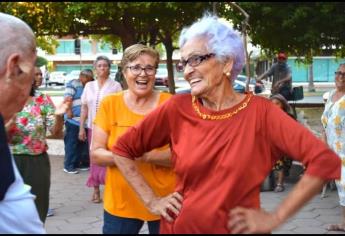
{"points": [[133, 52], [87, 73]]}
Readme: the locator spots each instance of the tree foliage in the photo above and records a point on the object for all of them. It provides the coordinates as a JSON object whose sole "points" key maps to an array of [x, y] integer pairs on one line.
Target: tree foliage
{"points": [[301, 28], [127, 23]]}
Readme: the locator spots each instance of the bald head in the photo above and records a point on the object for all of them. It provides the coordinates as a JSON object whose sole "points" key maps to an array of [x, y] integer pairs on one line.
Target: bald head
{"points": [[17, 61], [17, 36]]}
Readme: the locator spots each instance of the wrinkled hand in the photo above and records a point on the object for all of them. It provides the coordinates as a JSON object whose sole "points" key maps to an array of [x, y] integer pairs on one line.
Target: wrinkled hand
{"points": [[251, 221], [64, 106], [167, 205], [82, 135]]}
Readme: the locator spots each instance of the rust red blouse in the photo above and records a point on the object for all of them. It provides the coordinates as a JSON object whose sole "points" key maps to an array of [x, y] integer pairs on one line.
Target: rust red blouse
{"points": [[220, 164]]}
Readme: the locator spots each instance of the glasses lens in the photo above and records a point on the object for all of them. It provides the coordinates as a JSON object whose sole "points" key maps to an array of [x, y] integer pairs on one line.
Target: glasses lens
{"points": [[179, 67], [195, 60], [136, 70], [150, 70]]}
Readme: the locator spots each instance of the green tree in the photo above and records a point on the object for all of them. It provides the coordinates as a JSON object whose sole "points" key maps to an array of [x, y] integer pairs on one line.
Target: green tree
{"points": [[302, 29], [41, 61], [148, 22]]}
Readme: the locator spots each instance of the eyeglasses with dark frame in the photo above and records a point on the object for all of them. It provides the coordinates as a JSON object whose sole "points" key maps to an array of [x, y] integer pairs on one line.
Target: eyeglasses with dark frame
{"points": [[193, 61], [339, 73], [137, 69]]}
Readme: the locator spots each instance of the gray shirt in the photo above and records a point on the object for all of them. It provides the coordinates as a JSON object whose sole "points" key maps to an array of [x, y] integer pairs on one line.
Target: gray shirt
{"points": [[279, 71]]}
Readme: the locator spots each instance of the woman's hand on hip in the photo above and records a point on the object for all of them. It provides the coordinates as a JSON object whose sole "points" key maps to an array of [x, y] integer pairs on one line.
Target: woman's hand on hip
{"points": [[249, 221], [167, 206]]}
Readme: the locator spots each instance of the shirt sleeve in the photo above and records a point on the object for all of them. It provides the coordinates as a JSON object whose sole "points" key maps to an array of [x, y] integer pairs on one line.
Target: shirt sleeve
{"points": [[49, 112], [293, 139], [70, 90], [101, 119], [150, 133], [83, 97], [271, 70]]}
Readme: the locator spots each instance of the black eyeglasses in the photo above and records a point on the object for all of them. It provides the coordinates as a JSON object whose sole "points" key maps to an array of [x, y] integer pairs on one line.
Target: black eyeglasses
{"points": [[193, 61], [339, 73], [137, 69]]}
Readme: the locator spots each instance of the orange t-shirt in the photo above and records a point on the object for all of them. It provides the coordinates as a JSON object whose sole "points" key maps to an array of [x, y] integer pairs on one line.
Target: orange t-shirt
{"points": [[115, 118]]}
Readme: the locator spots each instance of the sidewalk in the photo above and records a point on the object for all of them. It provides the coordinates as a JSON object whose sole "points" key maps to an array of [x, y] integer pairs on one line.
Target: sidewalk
{"points": [[76, 214]]}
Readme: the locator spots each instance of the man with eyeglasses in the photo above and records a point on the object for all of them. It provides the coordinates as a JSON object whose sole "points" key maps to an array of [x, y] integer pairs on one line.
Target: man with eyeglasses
{"points": [[281, 72]]}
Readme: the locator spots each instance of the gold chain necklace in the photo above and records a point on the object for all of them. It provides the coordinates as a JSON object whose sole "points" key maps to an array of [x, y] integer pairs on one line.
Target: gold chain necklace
{"points": [[220, 117]]}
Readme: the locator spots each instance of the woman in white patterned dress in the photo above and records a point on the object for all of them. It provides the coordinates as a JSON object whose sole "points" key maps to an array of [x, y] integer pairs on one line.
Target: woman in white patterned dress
{"points": [[333, 121]]}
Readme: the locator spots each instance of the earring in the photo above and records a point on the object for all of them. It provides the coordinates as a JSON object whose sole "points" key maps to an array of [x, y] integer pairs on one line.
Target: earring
{"points": [[228, 74]]}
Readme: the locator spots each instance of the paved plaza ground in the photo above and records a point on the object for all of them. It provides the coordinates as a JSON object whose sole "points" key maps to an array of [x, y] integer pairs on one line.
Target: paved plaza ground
{"points": [[76, 214]]}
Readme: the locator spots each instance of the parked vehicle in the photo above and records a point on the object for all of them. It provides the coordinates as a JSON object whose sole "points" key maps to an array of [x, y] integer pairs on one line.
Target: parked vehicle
{"points": [[74, 74], [161, 77], [254, 86], [57, 78]]}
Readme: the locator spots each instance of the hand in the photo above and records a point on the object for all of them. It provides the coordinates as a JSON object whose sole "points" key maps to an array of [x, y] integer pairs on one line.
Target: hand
{"points": [[11, 122], [253, 221], [167, 205], [82, 135], [64, 106]]}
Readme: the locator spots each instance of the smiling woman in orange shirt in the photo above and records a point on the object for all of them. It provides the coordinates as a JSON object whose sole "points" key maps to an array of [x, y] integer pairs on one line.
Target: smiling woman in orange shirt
{"points": [[124, 213]]}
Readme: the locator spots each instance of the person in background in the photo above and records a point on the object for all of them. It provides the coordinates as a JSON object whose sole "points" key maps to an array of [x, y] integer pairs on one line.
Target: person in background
{"points": [[18, 213], [38, 77], [27, 139], [76, 151], [283, 165], [93, 93], [124, 213], [333, 121], [282, 80], [223, 144]]}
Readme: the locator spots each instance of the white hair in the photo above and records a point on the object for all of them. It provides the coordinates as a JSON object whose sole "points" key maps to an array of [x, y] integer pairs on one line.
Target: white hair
{"points": [[16, 37], [222, 40]]}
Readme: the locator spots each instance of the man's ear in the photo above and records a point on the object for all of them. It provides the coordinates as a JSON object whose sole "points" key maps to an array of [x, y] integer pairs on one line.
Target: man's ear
{"points": [[12, 66]]}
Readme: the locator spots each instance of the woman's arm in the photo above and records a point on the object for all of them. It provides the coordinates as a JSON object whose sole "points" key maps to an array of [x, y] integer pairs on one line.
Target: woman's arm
{"points": [[244, 220], [157, 157], [83, 117], [57, 129], [156, 205], [100, 155]]}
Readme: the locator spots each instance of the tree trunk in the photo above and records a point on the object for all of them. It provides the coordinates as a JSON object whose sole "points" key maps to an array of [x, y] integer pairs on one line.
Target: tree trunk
{"points": [[247, 61], [311, 87], [169, 53]]}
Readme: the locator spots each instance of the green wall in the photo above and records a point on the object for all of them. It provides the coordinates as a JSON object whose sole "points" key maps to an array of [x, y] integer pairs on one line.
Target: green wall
{"points": [[323, 69]]}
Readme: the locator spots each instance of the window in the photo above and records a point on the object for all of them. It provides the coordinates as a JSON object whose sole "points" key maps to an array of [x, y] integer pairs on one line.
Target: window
{"points": [[65, 47]]}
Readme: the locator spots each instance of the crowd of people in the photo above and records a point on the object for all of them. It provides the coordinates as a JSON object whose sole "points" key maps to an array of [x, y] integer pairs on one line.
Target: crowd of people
{"points": [[171, 161]]}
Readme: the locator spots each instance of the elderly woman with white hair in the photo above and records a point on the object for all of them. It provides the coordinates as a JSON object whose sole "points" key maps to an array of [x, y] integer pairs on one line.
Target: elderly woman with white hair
{"points": [[223, 144]]}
